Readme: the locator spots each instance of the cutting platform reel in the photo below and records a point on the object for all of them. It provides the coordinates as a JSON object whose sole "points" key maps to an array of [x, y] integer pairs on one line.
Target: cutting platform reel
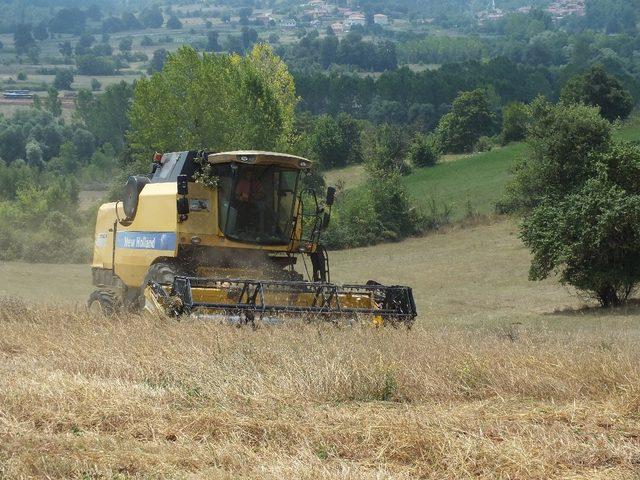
{"points": [[271, 301]]}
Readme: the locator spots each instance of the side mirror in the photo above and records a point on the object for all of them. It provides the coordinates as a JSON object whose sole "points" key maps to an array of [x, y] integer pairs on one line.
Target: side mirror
{"points": [[183, 206], [183, 185], [331, 196]]}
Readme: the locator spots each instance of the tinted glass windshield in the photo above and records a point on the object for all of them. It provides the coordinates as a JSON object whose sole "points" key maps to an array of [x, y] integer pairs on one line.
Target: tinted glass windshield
{"points": [[256, 202]]}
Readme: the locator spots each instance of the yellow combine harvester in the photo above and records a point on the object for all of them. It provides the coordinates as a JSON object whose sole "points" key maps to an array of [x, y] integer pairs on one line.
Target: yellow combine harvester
{"points": [[219, 235]]}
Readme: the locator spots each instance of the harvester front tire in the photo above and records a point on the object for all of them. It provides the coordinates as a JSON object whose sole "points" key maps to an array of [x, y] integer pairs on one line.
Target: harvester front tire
{"points": [[163, 273], [105, 302]]}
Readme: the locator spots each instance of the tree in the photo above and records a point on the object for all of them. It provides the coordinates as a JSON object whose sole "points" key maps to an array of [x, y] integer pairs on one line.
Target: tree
{"points": [[158, 59], [23, 39], [130, 21], [53, 103], [470, 118], [146, 41], [561, 140], [515, 120], [174, 23], [152, 17], [591, 238], [249, 37], [352, 135], [113, 25], [327, 144], [94, 13], [92, 65], [84, 144], [12, 142], [68, 20], [328, 50], [386, 150], [597, 88], [422, 152], [34, 154], [33, 54], [215, 102], [84, 44], [63, 80], [40, 32], [106, 116], [65, 48], [125, 44], [212, 42], [95, 84]]}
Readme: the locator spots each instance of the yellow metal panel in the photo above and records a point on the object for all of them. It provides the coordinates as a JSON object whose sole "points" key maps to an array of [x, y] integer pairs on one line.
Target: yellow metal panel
{"points": [[142, 242], [103, 239]]}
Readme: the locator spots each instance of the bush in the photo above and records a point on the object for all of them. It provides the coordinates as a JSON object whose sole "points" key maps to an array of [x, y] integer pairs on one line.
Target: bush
{"points": [[92, 65], [422, 152], [385, 150], [380, 212], [484, 144], [515, 121], [21, 76]]}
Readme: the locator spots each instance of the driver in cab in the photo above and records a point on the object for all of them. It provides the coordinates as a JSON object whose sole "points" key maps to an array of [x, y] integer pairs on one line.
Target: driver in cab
{"points": [[250, 195]]}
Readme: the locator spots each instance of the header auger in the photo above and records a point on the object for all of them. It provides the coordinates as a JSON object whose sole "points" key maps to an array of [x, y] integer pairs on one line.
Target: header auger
{"points": [[218, 235]]}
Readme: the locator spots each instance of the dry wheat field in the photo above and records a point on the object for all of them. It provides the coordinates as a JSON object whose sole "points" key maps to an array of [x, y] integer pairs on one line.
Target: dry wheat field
{"points": [[510, 389]]}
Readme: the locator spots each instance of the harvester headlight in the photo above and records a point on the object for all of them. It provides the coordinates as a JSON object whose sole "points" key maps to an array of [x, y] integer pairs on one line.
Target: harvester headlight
{"points": [[303, 164], [247, 158], [196, 240]]}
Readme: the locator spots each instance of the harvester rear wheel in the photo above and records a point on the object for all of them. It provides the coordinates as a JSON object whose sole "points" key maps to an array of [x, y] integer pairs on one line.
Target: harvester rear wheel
{"points": [[103, 301]]}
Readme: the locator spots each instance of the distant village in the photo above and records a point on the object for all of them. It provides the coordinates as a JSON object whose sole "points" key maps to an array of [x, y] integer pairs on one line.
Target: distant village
{"points": [[317, 13], [558, 10]]}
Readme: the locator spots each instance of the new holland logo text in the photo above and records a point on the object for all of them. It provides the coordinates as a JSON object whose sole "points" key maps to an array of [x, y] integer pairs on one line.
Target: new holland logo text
{"points": [[146, 240]]}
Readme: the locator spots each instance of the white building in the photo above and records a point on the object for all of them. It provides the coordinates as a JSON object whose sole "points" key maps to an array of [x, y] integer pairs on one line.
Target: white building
{"points": [[355, 19], [380, 19]]}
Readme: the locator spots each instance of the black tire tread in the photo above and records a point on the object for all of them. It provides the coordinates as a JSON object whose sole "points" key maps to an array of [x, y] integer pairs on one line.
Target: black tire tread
{"points": [[108, 300]]}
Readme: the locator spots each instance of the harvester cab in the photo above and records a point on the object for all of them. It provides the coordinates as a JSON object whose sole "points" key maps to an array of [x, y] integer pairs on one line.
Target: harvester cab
{"points": [[231, 235]]}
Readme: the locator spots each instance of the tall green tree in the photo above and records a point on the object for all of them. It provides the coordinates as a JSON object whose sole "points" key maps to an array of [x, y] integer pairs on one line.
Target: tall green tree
{"points": [[53, 103], [591, 238], [469, 119], [23, 39], [63, 79], [106, 116], [335, 142], [561, 139], [515, 120], [599, 89], [217, 102]]}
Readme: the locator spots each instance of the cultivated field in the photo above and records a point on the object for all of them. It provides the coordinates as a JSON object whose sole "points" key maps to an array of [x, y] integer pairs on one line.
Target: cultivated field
{"points": [[500, 378]]}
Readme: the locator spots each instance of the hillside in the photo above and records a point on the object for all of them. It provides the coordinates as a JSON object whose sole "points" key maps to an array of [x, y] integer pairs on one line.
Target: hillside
{"points": [[470, 183]]}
